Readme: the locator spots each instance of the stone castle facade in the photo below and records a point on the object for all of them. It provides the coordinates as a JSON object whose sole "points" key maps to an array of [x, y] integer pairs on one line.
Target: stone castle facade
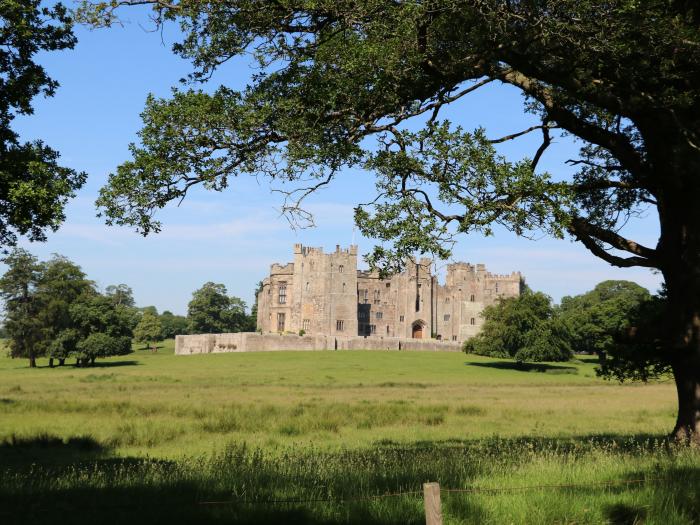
{"points": [[325, 294]]}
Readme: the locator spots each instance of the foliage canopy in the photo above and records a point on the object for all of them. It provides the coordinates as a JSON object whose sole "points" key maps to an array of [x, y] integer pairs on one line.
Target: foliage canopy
{"points": [[34, 188]]}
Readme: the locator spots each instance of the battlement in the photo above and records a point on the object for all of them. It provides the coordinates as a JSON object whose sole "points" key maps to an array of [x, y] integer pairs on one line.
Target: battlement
{"points": [[285, 269], [461, 266], [513, 276], [305, 251]]}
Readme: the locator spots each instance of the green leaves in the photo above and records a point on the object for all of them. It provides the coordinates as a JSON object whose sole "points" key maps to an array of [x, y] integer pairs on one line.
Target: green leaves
{"points": [[149, 329], [521, 328], [34, 189], [440, 182], [53, 309], [363, 83], [212, 311]]}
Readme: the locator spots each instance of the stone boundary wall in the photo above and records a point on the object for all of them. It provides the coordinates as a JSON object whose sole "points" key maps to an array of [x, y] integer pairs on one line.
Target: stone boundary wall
{"points": [[255, 342]]}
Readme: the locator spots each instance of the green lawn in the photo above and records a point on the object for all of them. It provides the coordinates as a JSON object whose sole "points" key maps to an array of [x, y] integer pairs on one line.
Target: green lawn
{"points": [[154, 427]]}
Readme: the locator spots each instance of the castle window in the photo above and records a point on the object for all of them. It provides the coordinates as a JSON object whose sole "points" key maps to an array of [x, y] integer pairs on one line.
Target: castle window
{"points": [[341, 268], [496, 287], [365, 296], [376, 297], [471, 298], [307, 286], [280, 322], [283, 293], [343, 287], [387, 329], [454, 337], [339, 325], [447, 300], [388, 285], [373, 328], [305, 325], [380, 315], [446, 317], [472, 321], [401, 319]]}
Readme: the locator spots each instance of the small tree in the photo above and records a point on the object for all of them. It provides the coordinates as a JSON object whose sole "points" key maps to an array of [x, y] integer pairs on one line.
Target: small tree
{"points": [[522, 328], [212, 311], [172, 325], [101, 344], [149, 330], [101, 329]]}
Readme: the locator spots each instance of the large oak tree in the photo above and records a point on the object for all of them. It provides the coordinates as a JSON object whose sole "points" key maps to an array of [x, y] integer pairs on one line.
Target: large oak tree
{"points": [[621, 76]]}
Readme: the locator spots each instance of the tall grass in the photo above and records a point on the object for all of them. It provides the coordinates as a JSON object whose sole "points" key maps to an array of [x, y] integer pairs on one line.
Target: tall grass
{"points": [[563, 482]]}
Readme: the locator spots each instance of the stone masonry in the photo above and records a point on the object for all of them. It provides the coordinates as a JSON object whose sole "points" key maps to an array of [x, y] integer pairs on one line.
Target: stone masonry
{"points": [[325, 294]]}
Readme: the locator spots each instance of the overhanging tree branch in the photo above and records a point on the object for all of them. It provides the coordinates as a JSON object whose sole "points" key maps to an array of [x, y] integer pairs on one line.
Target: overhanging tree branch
{"points": [[591, 236]]}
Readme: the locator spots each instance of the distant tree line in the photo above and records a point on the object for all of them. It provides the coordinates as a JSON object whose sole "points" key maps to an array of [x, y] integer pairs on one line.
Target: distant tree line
{"points": [[52, 310], [602, 321]]}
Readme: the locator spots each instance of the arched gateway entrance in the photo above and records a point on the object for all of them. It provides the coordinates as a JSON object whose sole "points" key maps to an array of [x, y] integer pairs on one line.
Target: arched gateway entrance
{"points": [[417, 331]]}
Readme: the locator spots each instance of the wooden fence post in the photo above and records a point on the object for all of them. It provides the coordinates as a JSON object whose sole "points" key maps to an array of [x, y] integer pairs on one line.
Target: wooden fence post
{"points": [[431, 498]]}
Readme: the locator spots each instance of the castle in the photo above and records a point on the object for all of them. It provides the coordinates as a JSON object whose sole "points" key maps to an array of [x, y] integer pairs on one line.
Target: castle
{"points": [[325, 294]]}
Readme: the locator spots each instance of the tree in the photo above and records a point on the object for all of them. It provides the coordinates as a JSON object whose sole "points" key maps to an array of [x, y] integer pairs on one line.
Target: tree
{"points": [[33, 187], [100, 329], [172, 325], [148, 330], [597, 318], [60, 284], [212, 311], [522, 328], [121, 294], [621, 77], [18, 290]]}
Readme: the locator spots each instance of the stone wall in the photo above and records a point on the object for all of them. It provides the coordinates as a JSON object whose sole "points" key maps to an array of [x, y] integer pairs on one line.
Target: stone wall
{"points": [[254, 342]]}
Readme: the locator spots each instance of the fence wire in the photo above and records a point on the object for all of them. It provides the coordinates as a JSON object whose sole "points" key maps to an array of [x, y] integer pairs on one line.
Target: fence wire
{"points": [[468, 490]]}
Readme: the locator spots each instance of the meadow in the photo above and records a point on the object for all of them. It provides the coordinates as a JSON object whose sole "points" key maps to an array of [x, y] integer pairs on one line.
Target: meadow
{"points": [[304, 437]]}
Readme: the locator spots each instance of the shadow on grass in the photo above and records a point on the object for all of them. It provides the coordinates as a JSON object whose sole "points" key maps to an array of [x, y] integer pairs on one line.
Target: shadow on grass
{"points": [[49, 480], [526, 367], [113, 364], [97, 364], [84, 485]]}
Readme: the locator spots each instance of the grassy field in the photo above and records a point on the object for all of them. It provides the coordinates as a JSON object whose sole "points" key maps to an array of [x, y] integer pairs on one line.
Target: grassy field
{"points": [[149, 437]]}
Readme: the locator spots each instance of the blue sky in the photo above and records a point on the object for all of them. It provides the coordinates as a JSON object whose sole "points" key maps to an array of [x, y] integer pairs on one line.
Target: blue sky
{"points": [[233, 237]]}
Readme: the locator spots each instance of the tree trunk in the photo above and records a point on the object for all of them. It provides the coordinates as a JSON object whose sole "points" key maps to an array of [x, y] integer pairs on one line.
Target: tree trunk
{"points": [[92, 361], [50, 362], [687, 375], [680, 242], [32, 361], [61, 362]]}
